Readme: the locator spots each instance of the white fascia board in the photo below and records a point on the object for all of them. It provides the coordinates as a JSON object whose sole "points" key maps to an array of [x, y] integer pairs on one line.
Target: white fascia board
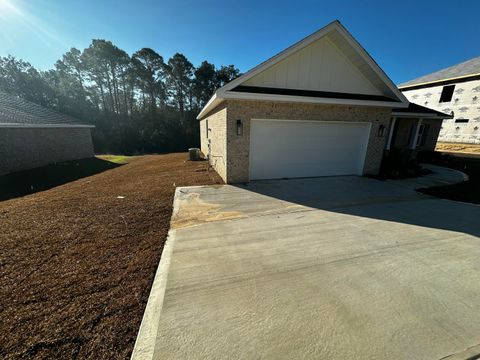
{"points": [[280, 56], [373, 64], [262, 66], [335, 25], [44, 126], [309, 100], [210, 105]]}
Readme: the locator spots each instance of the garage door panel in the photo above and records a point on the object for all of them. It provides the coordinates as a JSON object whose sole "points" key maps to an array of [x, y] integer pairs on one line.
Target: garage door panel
{"points": [[281, 149]]}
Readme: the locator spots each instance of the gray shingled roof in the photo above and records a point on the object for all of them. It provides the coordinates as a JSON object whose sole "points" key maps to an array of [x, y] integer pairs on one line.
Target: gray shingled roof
{"points": [[15, 110], [469, 67]]}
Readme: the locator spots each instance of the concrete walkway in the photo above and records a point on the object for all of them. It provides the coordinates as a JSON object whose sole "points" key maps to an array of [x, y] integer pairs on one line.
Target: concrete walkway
{"points": [[327, 268], [440, 176]]}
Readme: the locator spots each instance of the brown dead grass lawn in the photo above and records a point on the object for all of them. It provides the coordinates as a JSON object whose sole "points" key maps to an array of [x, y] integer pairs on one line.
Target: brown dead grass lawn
{"points": [[77, 263]]}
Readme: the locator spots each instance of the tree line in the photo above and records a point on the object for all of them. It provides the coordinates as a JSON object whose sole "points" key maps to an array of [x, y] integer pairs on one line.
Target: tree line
{"points": [[138, 103]]}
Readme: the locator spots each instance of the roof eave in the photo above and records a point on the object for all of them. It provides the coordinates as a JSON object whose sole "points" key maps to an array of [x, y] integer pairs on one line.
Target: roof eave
{"points": [[221, 93], [214, 101], [37, 126], [421, 115], [335, 25], [310, 100], [376, 68]]}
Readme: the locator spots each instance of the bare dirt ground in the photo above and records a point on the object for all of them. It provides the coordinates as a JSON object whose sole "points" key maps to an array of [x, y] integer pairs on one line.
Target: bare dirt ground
{"points": [[458, 147], [77, 262]]}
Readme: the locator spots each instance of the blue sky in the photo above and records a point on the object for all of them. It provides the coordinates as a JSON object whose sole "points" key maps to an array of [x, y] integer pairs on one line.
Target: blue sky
{"points": [[407, 38]]}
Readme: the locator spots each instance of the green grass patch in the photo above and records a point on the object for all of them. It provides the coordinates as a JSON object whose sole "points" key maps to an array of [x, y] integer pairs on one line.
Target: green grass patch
{"points": [[117, 159]]}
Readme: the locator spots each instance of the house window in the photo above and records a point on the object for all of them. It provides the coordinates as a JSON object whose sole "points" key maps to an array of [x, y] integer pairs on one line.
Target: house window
{"points": [[206, 127], [447, 93], [461, 120]]}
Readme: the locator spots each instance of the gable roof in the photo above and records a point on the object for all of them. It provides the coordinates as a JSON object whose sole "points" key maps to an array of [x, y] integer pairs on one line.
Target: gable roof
{"points": [[16, 111], [465, 69], [419, 111], [378, 89]]}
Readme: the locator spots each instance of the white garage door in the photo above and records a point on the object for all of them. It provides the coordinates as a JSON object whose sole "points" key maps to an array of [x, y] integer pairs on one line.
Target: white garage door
{"points": [[290, 149]]}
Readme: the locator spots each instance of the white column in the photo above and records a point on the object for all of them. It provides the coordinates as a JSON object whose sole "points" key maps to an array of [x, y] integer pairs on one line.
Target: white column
{"points": [[413, 144], [390, 133]]}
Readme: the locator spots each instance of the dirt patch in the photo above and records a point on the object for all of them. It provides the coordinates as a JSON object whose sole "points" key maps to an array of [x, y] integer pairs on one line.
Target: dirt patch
{"points": [[457, 147], [194, 211], [78, 260]]}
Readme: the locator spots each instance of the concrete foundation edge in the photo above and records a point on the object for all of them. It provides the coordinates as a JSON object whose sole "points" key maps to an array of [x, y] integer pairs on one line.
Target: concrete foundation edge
{"points": [[144, 348]]}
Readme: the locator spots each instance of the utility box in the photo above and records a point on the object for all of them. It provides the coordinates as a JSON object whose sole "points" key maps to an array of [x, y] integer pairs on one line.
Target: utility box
{"points": [[194, 154]]}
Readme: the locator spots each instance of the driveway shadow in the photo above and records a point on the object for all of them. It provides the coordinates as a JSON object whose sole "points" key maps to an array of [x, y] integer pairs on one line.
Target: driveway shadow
{"points": [[370, 198], [46, 177]]}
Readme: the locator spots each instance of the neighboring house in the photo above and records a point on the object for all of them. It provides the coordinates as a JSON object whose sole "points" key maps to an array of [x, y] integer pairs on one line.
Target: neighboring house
{"points": [[33, 136], [453, 90], [321, 107]]}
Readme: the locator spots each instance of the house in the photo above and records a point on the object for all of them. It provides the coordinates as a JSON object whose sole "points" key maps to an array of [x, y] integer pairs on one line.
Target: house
{"points": [[454, 90], [321, 107], [32, 136]]}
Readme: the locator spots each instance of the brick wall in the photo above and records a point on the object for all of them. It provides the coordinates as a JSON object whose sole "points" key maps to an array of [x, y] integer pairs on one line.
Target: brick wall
{"points": [[233, 149], [27, 148], [238, 146], [216, 139]]}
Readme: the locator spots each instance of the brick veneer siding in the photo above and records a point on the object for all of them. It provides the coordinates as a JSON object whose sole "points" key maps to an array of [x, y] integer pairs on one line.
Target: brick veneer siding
{"points": [[237, 148], [217, 138], [27, 148]]}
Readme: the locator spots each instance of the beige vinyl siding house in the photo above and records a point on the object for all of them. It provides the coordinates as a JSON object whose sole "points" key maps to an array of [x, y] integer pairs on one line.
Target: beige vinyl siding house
{"points": [[322, 107]]}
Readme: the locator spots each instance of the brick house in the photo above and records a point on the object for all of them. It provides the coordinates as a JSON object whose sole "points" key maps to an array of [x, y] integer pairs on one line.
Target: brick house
{"points": [[321, 107], [33, 136]]}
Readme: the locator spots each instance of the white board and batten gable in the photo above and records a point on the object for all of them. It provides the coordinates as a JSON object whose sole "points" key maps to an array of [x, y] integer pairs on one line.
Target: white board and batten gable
{"points": [[320, 66], [328, 67]]}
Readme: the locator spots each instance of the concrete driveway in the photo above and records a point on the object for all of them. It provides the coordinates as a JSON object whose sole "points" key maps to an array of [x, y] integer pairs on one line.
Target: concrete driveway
{"points": [[327, 268]]}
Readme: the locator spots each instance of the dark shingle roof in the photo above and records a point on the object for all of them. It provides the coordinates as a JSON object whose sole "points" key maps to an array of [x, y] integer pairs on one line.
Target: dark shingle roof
{"points": [[15, 110], [469, 67], [419, 109]]}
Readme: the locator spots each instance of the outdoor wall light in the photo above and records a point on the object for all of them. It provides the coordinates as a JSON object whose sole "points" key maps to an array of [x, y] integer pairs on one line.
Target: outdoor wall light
{"points": [[381, 131], [239, 127]]}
